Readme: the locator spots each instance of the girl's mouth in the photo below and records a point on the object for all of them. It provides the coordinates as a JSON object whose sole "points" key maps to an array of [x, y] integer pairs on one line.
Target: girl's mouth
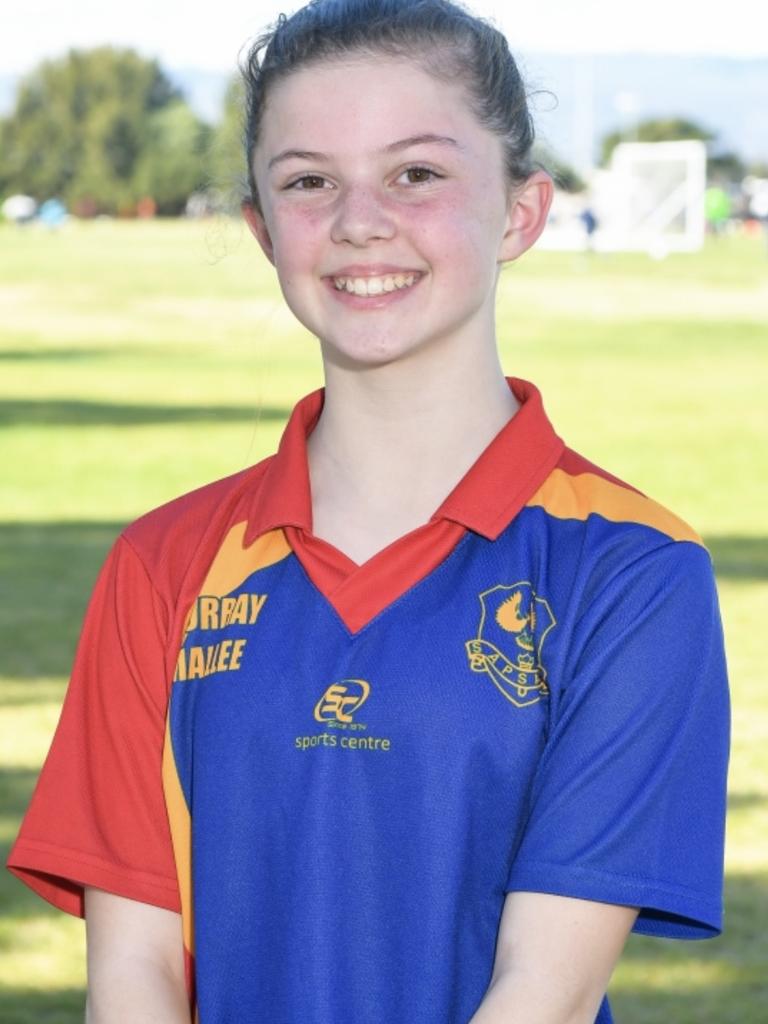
{"points": [[375, 285], [373, 292]]}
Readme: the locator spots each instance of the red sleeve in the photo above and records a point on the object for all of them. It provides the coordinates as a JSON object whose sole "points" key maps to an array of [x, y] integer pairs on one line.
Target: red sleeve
{"points": [[97, 815]]}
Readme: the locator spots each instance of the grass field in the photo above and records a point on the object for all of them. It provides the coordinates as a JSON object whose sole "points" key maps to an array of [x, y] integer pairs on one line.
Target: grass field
{"points": [[139, 360]]}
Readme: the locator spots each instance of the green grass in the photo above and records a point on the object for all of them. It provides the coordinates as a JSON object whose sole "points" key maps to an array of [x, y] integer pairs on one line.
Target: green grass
{"points": [[141, 360]]}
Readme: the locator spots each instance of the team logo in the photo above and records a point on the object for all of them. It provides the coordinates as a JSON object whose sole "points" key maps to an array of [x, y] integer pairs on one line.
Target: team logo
{"points": [[341, 700], [514, 622]]}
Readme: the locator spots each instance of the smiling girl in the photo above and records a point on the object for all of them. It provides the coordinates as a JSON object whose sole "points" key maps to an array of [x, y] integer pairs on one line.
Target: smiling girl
{"points": [[415, 720]]}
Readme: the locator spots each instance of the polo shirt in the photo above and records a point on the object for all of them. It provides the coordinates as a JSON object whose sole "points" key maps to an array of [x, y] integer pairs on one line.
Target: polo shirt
{"points": [[336, 772]]}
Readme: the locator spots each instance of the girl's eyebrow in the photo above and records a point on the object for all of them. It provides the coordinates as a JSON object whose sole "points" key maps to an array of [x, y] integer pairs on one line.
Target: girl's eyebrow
{"points": [[412, 140]]}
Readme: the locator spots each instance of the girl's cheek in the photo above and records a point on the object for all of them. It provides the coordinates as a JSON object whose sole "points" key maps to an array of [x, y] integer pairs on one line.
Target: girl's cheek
{"points": [[293, 216], [295, 230], [446, 217]]}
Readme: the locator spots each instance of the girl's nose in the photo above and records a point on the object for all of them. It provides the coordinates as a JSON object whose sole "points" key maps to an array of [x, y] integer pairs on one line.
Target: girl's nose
{"points": [[362, 216]]}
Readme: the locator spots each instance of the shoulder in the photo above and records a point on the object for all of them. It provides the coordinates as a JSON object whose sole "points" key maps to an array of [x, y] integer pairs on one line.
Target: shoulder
{"points": [[188, 529], [610, 546], [578, 489]]}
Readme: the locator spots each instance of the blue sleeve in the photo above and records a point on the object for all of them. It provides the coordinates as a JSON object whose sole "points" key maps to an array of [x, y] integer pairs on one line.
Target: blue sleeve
{"points": [[628, 802]]}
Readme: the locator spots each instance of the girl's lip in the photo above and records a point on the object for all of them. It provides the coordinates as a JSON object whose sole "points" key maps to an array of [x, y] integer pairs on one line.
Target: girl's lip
{"points": [[372, 270]]}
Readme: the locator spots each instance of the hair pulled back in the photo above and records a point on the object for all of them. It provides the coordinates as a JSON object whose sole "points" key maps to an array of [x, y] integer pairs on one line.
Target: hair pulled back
{"points": [[441, 36]]}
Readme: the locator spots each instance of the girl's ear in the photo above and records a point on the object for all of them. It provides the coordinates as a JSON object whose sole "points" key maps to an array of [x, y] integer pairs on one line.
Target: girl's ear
{"points": [[258, 228], [527, 215]]}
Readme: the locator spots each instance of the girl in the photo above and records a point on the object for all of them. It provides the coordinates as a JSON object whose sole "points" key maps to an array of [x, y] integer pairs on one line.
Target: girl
{"points": [[415, 720]]}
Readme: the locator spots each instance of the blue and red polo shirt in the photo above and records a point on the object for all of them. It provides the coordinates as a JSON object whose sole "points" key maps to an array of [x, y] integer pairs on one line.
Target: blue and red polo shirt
{"points": [[336, 772]]}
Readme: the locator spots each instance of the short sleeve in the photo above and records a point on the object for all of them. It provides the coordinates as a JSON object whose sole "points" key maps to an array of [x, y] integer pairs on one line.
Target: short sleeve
{"points": [[97, 815], [628, 803]]}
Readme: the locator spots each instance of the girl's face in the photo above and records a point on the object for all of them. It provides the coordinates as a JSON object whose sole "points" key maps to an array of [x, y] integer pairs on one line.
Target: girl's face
{"points": [[385, 209]]}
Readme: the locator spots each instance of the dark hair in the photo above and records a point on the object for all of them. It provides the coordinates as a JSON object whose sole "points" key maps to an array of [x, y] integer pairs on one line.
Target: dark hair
{"points": [[440, 35]]}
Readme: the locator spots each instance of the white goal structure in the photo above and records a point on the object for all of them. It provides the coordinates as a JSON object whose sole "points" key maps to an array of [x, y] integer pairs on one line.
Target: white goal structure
{"points": [[651, 199]]}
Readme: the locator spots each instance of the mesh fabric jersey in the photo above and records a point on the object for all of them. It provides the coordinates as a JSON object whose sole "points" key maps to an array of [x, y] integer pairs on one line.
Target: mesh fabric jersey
{"points": [[336, 772]]}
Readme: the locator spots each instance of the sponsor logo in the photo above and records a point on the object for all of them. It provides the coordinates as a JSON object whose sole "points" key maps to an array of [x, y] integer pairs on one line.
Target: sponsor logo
{"points": [[336, 709], [341, 700]]}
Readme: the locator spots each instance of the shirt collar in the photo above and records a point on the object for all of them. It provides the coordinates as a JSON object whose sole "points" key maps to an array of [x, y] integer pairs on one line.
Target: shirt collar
{"points": [[486, 499]]}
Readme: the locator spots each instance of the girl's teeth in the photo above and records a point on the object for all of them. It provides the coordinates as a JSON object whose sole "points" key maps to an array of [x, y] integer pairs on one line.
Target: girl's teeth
{"points": [[374, 285]]}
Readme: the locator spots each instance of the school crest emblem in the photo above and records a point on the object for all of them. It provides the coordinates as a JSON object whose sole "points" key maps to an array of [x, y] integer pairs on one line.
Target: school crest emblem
{"points": [[514, 623]]}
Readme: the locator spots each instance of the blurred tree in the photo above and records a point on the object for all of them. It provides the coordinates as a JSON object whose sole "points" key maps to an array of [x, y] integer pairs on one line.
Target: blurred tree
{"points": [[654, 130], [563, 174], [726, 167], [758, 169], [83, 128], [172, 163], [228, 172]]}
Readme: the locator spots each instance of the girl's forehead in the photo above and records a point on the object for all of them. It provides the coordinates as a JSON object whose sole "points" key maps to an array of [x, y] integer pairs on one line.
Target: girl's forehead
{"points": [[372, 96], [335, 86]]}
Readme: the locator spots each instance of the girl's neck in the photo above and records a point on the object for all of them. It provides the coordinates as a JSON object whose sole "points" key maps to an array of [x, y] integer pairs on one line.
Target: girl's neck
{"points": [[393, 441]]}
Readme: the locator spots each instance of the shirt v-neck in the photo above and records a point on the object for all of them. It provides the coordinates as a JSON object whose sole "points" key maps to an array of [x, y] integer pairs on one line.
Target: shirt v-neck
{"points": [[486, 499]]}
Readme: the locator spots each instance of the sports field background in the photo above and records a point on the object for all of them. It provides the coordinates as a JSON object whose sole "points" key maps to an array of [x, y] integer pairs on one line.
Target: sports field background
{"points": [[139, 360]]}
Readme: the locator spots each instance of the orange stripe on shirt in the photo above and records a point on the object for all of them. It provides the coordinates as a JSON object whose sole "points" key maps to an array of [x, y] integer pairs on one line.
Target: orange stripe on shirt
{"points": [[181, 839], [234, 563], [568, 496]]}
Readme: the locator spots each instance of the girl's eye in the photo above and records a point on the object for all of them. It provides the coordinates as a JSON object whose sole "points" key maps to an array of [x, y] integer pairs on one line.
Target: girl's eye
{"points": [[307, 178], [422, 175]]}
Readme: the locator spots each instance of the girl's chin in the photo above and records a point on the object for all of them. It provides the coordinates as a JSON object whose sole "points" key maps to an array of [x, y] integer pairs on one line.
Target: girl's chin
{"points": [[366, 354]]}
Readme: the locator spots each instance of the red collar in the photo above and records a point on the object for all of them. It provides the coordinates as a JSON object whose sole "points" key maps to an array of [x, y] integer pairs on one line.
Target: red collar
{"points": [[485, 500]]}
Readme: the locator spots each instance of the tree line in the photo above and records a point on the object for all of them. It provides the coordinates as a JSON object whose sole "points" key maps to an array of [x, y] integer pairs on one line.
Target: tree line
{"points": [[106, 131]]}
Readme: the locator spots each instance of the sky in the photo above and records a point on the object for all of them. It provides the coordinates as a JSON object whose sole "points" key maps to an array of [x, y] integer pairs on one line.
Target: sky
{"points": [[209, 36]]}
